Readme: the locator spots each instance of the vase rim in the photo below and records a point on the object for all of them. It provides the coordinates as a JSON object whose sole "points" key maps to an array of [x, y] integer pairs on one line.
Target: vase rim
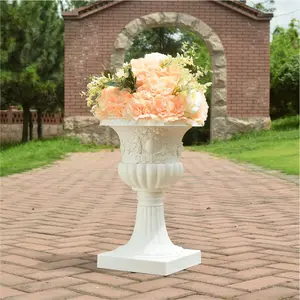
{"points": [[123, 122]]}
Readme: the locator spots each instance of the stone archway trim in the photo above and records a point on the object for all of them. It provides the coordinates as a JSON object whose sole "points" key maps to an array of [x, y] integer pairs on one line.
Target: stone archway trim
{"points": [[219, 100]]}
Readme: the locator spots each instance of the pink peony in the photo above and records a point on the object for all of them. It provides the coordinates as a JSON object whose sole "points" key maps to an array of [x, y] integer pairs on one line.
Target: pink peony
{"points": [[143, 67], [168, 93], [169, 108], [112, 102]]}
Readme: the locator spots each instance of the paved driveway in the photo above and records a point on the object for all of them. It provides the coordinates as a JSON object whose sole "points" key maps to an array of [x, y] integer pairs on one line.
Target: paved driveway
{"points": [[55, 220]]}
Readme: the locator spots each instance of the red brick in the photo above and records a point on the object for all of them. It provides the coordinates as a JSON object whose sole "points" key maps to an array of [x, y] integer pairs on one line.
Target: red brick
{"points": [[18, 270], [282, 253], [105, 279], [49, 284], [86, 297], [253, 273], [72, 250], [292, 284], [211, 289], [162, 294], [154, 284], [210, 270], [213, 262], [244, 256], [63, 263], [8, 292], [142, 277], [237, 250], [23, 261], [258, 283], [248, 264], [48, 274], [195, 276], [287, 267], [291, 275], [273, 293], [101, 290], [203, 297], [10, 279], [28, 253], [54, 294]]}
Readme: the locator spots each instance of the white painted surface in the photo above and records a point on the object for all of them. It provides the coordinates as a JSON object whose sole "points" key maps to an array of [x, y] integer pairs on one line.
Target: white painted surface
{"points": [[150, 163]]}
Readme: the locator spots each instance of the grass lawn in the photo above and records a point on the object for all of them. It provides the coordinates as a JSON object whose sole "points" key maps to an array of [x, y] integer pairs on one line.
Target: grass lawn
{"points": [[275, 149], [17, 158]]}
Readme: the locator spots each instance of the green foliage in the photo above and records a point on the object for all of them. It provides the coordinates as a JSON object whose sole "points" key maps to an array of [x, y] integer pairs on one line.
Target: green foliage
{"points": [[198, 50], [262, 6], [31, 55], [17, 158], [285, 64], [68, 5], [129, 80], [79, 3], [275, 149], [287, 123], [160, 40]]}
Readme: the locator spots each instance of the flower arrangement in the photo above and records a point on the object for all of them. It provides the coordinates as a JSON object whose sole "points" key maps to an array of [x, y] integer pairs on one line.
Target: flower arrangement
{"points": [[156, 87]]}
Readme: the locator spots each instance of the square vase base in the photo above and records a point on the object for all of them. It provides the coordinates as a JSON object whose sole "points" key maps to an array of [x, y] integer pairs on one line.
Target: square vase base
{"points": [[157, 265]]}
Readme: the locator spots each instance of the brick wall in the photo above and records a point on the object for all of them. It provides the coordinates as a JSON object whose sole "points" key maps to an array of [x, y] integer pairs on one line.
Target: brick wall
{"points": [[89, 43], [11, 121], [15, 116]]}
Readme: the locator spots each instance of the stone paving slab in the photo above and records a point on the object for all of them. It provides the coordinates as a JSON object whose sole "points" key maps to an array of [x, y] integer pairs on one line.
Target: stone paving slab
{"points": [[55, 220]]}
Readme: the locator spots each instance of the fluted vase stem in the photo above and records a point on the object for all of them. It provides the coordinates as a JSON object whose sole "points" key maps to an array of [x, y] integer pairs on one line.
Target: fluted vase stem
{"points": [[150, 234]]}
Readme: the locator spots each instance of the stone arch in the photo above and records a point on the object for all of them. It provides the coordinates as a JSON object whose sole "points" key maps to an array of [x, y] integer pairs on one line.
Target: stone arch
{"points": [[218, 102]]}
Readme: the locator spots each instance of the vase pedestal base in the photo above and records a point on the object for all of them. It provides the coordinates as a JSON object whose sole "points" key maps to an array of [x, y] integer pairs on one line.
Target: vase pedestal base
{"points": [[149, 264]]}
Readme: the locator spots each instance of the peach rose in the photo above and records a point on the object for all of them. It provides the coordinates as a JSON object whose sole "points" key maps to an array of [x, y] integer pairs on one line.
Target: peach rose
{"points": [[141, 110], [112, 102], [163, 85], [169, 108], [143, 67]]}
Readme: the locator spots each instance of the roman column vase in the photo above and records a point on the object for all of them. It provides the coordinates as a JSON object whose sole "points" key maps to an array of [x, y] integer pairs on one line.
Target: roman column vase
{"points": [[150, 163]]}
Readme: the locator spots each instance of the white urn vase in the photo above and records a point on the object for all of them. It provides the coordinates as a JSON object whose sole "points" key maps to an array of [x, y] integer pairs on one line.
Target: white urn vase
{"points": [[150, 163]]}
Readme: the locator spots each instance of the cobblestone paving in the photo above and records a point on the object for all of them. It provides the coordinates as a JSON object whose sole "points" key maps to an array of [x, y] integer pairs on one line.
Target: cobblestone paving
{"points": [[55, 220]]}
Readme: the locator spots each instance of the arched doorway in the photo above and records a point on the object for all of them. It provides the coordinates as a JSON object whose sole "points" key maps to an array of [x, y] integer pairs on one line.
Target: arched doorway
{"points": [[218, 101], [99, 33]]}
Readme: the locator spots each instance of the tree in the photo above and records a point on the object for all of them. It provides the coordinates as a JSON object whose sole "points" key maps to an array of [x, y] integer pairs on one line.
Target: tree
{"points": [[66, 5], [163, 40], [285, 65], [31, 53], [262, 6]]}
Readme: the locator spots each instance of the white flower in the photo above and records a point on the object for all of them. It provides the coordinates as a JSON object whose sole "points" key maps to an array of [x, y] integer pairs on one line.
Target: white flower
{"points": [[120, 73], [156, 56], [154, 59], [194, 100]]}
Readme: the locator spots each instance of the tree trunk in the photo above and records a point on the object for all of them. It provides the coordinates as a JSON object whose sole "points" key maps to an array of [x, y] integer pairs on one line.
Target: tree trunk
{"points": [[39, 124], [26, 111], [30, 126]]}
